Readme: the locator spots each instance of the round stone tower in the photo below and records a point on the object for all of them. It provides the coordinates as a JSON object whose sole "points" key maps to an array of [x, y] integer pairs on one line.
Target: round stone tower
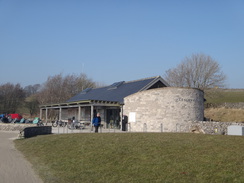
{"points": [[165, 109]]}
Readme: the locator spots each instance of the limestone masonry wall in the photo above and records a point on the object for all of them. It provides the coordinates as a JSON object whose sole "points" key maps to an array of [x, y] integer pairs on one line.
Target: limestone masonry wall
{"points": [[26, 130], [239, 105], [210, 127], [204, 127], [163, 108], [14, 126]]}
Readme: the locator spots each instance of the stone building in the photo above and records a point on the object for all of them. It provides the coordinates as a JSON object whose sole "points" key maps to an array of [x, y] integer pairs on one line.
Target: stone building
{"points": [[166, 109], [145, 105], [108, 101]]}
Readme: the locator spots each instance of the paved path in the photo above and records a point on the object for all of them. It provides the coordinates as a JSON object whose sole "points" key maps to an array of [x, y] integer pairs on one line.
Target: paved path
{"points": [[14, 168]]}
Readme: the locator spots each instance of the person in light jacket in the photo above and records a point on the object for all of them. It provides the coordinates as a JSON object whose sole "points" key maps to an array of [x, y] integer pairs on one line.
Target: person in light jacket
{"points": [[96, 122]]}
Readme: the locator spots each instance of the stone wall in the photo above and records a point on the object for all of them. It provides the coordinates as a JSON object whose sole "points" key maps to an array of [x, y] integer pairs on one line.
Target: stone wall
{"points": [[204, 127], [238, 105], [163, 109], [209, 127], [14, 126], [26, 130]]}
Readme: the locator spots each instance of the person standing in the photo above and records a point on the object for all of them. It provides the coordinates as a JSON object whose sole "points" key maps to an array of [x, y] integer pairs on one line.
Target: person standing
{"points": [[73, 123], [96, 122]]}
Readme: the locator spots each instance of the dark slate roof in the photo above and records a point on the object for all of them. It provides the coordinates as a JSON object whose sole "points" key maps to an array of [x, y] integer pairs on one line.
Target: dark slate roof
{"points": [[117, 91]]}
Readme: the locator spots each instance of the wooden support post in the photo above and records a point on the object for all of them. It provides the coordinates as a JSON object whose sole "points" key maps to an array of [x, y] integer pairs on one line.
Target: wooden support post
{"points": [[79, 113], [46, 115], [41, 113], [60, 113], [121, 116], [92, 108]]}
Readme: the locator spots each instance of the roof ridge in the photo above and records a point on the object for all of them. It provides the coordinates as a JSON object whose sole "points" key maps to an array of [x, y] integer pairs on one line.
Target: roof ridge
{"points": [[142, 79], [153, 77]]}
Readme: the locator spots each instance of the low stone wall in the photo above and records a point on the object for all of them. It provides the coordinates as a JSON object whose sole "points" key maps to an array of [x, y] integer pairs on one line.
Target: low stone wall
{"points": [[204, 127], [26, 130], [14, 126], [209, 127], [239, 105]]}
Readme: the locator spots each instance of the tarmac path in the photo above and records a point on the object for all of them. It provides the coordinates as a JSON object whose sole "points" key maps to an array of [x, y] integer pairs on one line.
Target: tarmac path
{"points": [[14, 168]]}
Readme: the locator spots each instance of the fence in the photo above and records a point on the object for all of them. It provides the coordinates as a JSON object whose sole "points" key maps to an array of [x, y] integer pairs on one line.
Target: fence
{"points": [[206, 127], [83, 129], [239, 105]]}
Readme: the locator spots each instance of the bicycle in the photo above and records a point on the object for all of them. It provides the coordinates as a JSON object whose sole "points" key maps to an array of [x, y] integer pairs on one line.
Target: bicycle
{"points": [[38, 122], [76, 125], [58, 123]]}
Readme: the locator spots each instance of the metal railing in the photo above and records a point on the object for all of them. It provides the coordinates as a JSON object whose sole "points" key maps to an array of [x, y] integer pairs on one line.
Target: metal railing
{"points": [[128, 129]]}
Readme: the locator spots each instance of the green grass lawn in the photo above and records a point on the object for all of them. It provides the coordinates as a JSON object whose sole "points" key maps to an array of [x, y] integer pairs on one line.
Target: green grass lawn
{"points": [[136, 157]]}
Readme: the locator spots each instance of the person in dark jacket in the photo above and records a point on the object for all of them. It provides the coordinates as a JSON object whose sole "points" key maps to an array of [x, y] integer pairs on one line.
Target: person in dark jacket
{"points": [[96, 122]]}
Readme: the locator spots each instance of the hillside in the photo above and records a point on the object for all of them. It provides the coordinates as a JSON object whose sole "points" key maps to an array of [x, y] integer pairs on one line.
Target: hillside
{"points": [[218, 97], [224, 115]]}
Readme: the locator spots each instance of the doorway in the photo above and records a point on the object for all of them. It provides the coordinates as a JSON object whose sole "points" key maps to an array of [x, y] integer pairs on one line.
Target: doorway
{"points": [[113, 118]]}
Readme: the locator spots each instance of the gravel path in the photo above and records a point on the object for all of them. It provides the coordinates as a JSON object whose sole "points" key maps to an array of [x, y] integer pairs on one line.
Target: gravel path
{"points": [[14, 168]]}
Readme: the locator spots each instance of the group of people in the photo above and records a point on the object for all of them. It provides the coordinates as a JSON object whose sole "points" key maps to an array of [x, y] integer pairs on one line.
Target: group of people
{"points": [[4, 118], [10, 118]]}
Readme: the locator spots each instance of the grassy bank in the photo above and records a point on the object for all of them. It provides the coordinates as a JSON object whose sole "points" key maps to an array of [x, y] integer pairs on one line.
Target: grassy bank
{"points": [[136, 157], [218, 96], [225, 115]]}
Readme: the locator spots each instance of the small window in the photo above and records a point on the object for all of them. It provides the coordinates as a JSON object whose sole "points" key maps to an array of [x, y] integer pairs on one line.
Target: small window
{"points": [[86, 90], [115, 85]]}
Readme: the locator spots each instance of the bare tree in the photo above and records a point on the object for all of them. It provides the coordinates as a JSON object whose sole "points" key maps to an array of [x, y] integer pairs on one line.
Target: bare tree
{"points": [[12, 97], [32, 89], [60, 88], [196, 71], [32, 104]]}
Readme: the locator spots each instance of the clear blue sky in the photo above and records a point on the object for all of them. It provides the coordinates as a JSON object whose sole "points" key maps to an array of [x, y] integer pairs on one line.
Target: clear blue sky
{"points": [[117, 40]]}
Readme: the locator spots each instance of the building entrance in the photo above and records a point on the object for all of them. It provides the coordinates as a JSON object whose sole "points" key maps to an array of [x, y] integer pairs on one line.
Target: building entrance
{"points": [[113, 118]]}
